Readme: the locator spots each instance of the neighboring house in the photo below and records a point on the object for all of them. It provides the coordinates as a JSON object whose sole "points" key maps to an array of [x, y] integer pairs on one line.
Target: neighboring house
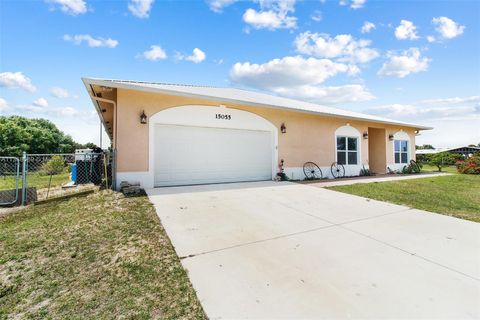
{"points": [[168, 134], [465, 151]]}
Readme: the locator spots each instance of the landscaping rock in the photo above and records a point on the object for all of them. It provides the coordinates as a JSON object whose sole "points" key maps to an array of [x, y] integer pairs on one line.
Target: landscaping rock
{"points": [[131, 189]]}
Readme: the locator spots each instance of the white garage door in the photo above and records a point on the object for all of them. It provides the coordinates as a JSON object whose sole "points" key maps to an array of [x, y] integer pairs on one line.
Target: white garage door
{"points": [[187, 155]]}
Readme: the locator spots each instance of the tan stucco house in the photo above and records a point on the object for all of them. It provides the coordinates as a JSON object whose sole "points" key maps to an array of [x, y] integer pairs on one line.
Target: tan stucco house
{"points": [[169, 134]]}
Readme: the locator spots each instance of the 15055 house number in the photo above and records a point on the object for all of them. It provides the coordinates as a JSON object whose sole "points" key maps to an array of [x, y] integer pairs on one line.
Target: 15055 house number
{"points": [[223, 116]]}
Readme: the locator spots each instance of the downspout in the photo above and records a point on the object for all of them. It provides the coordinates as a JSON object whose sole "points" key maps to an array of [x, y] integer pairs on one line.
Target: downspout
{"points": [[114, 182], [114, 116]]}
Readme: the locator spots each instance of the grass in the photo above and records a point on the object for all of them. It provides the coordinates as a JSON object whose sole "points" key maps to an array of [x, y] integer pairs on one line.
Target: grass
{"points": [[454, 195], [449, 169], [102, 256], [34, 179]]}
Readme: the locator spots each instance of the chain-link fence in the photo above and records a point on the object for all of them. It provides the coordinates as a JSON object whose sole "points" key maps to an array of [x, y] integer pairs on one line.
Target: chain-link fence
{"points": [[9, 180], [36, 177]]}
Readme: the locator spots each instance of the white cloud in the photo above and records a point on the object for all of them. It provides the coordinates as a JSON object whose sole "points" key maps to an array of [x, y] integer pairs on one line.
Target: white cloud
{"points": [[196, 57], [67, 111], [354, 4], [288, 71], [73, 7], [459, 116], [42, 106], [91, 41], [367, 27], [58, 92], [343, 46], [3, 105], [16, 80], [218, 5], [140, 8], [431, 39], [438, 109], [41, 102], [327, 95], [155, 53], [409, 61], [273, 14], [357, 4], [317, 16], [301, 78], [406, 30], [447, 28], [473, 101]]}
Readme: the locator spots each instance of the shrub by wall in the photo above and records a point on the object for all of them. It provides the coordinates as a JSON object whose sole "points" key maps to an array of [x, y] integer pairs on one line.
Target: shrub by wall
{"points": [[469, 166]]}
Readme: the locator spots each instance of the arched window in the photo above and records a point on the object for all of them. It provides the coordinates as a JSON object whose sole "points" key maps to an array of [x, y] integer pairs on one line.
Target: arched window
{"points": [[347, 142], [401, 147]]}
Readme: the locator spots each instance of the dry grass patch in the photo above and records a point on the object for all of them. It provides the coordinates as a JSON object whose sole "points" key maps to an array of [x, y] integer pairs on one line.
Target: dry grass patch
{"points": [[102, 256]]}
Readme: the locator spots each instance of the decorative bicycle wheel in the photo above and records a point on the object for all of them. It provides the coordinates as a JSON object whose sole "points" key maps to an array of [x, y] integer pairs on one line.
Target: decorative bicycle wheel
{"points": [[312, 171], [338, 170], [415, 166]]}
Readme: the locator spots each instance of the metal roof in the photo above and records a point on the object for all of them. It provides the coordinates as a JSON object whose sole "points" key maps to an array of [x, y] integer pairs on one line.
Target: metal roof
{"points": [[240, 96], [438, 150]]}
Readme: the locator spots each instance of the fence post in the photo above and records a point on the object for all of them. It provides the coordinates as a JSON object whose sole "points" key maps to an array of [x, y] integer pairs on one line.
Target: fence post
{"points": [[24, 178]]}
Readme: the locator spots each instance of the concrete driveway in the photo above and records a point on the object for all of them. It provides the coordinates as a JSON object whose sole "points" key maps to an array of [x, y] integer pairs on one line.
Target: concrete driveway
{"points": [[284, 250]]}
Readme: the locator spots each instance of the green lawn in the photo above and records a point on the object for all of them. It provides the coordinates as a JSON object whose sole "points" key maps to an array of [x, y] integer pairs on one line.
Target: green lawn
{"points": [[103, 256], [35, 179], [454, 195], [449, 169]]}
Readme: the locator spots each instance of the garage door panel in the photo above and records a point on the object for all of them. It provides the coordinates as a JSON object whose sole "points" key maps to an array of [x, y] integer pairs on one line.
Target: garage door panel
{"points": [[196, 155]]}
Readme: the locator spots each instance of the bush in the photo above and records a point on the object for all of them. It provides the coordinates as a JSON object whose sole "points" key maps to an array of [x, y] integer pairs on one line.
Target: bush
{"points": [[410, 168], [469, 166], [54, 166], [364, 172], [283, 176]]}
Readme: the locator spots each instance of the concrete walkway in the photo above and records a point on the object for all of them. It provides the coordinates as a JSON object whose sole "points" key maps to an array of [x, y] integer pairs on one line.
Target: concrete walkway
{"points": [[285, 250], [382, 178]]}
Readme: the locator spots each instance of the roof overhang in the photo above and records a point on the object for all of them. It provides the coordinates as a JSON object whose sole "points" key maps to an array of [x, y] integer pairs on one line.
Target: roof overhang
{"points": [[122, 84]]}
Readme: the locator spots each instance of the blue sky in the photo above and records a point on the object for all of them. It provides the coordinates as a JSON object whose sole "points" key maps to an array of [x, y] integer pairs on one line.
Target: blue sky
{"points": [[416, 61]]}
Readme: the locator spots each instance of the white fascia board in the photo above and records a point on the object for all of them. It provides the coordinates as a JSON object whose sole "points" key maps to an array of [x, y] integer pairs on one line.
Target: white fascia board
{"points": [[87, 84]]}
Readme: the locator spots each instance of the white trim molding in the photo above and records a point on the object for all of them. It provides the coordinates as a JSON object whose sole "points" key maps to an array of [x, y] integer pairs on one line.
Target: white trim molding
{"points": [[142, 177], [400, 135], [349, 132], [296, 173]]}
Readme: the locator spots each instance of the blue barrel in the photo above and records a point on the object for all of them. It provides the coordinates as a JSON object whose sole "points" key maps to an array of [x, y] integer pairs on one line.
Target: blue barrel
{"points": [[74, 173]]}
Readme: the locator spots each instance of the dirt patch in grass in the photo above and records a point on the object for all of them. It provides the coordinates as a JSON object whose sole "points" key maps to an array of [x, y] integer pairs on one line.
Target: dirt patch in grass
{"points": [[454, 195], [101, 256]]}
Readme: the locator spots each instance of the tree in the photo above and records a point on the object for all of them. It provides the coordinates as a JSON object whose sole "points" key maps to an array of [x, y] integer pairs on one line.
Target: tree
{"points": [[425, 147], [19, 134], [441, 160], [53, 166]]}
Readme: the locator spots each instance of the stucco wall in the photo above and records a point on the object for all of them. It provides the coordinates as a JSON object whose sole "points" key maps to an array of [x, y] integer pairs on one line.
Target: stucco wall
{"points": [[308, 138], [377, 146]]}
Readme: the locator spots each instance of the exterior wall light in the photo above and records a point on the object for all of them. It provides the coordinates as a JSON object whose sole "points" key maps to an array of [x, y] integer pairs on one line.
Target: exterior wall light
{"points": [[390, 137], [283, 128], [143, 118], [365, 135]]}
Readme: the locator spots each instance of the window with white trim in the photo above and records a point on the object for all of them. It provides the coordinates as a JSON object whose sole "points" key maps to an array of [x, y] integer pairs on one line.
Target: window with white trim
{"points": [[401, 151], [347, 150]]}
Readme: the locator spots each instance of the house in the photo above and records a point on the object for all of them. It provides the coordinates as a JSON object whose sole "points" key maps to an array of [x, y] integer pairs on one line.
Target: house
{"points": [[466, 151], [170, 134]]}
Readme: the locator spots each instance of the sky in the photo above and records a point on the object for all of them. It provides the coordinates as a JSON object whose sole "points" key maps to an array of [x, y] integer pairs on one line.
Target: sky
{"points": [[415, 61]]}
